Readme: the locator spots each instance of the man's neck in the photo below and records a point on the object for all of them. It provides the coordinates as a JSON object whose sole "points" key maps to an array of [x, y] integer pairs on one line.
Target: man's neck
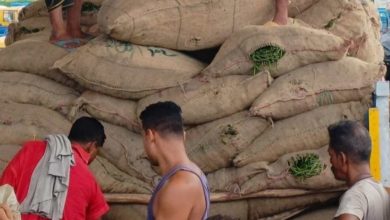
{"points": [[173, 153], [357, 173]]}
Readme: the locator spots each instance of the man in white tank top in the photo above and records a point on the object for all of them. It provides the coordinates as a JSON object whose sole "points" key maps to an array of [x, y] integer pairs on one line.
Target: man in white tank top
{"points": [[350, 150]]}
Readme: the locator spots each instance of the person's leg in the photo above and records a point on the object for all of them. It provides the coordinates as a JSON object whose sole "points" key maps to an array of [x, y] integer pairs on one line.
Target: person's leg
{"points": [[58, 25], [281, 13], [73, 20]]}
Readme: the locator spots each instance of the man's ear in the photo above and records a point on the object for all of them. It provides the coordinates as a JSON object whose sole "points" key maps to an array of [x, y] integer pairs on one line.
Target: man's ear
{"points": [[150, 134], [344, 158]]}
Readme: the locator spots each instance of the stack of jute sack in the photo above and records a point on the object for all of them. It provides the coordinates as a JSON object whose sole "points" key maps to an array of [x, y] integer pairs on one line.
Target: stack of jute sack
{"points": [[256, 117]]}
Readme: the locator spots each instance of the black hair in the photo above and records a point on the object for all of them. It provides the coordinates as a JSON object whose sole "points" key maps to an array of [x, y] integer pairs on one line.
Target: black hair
{"points": [[87, 129], [351, 138], [163, 117]]}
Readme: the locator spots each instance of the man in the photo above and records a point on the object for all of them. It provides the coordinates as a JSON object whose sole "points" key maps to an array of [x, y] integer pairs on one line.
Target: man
{"points": [[66, 35], [183, 191], [5, 212], [84, 199], [349, 150]]}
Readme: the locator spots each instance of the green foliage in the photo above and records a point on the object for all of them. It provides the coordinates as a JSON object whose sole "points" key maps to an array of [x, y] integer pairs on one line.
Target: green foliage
{"points": [[305, 166], [266, 57]]}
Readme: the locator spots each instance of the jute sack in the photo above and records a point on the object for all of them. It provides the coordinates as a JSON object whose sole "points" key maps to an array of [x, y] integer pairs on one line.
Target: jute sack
{"points": [[124, 149], [112, 180], [207, 99], [23, 122], [214, 145], [282, 174], [36, 57], [230, 210], [309, 87], [126, 70], [297, 7], [296, 46], [301, 132], [324, 212], [34, 9], [349, 20], [34, 28], [32, 89], [7, 152], [109, 109], [16, 33], [371, 50], [261, 208], [181, 25], [126, 212]]}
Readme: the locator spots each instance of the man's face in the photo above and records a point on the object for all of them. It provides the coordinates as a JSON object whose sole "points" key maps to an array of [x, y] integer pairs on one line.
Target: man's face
{"points": [[338, 164]]}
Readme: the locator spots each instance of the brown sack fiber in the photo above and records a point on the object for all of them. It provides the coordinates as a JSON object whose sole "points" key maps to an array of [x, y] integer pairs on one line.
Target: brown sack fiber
{"points": [[261, 208], [349, 20], [301, 132], [315, 85], [126, 70], [7, 152], [124, 149], [36, 57], [213, 145], [23, 122], [182, 25], [32, 89], [297, 7], [109, 109], [112, 180], [260, 176], [301, 46], [207, 99]]}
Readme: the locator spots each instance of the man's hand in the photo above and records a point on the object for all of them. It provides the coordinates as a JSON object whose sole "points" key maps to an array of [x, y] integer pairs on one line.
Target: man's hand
{"points": [[347, 217], [5, 212]]}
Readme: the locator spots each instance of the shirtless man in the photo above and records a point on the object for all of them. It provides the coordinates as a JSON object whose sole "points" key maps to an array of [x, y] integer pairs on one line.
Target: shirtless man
{"points": [[183, 191]]}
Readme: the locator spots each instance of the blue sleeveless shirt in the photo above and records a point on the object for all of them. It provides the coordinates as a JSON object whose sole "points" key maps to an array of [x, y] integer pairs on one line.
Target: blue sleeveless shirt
{"points": [[166, 177]]}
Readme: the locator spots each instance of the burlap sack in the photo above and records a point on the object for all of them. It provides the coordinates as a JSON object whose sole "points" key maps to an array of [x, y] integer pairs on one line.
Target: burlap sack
{"points": [[126, 212], [124, 149], [182, 25], [260, 208], [23, 122], [301, 132], [301, 45], [371, 49], [17, 33], [207, 99], [32, 89], [7, 152], [34, 56], [261, 176], [125, 70], [326, 212], [213, 145], [230, 210], [297, 7], [109, 109], [309, 87], [112, 180], [349, 20], [34, 9]]}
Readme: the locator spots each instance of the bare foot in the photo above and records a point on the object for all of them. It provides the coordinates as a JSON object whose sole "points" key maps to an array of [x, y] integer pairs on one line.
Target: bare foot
{"points": [[281, 12], [65, 41]]}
